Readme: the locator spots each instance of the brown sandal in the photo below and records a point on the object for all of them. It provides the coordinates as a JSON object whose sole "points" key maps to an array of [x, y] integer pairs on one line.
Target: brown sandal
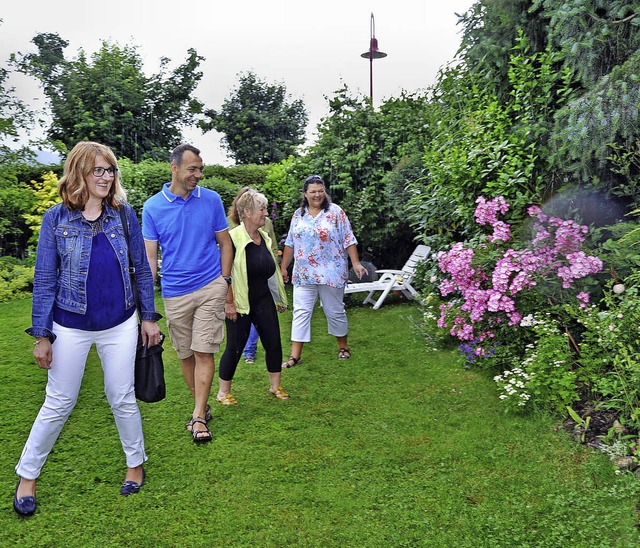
{"points": [[288, 364], [279, 393], [344, 354], [228, 399], [207, 418], [201, 436]]}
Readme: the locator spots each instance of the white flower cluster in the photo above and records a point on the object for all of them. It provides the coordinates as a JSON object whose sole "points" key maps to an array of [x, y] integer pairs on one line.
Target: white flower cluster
{"points": [[529, 321], [541, 324], [513, 385]]}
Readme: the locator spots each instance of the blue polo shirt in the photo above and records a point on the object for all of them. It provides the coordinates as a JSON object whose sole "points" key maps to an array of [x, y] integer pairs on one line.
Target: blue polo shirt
{"points": [[186, 233]]}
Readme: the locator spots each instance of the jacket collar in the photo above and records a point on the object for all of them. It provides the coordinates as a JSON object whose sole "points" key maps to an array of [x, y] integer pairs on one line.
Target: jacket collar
{"points": [[75, 214]]}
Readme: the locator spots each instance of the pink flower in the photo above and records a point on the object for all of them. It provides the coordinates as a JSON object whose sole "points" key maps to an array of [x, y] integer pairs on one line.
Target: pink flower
{"points": [[583, 298], [486, 212], [501, 232], [485, 297]]}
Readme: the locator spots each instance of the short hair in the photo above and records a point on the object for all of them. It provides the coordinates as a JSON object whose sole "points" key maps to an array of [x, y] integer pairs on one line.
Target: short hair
{"points": [[251, 200], [72, 187], [232, 213], [178, 152]]}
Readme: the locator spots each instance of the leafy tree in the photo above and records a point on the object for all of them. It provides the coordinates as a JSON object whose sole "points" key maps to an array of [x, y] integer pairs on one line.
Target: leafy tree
{"points": [[108, 98], [13, 200], [261, 125], [491, 29], [14, 115], [599, 41]]}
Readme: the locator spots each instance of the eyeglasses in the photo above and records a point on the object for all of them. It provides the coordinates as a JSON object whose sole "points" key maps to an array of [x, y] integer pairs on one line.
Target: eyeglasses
{"points": [[314, 179], [100, 171]]}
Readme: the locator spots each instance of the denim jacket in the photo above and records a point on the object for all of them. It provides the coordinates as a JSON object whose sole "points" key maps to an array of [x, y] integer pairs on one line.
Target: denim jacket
{"points": [[62, 265]]}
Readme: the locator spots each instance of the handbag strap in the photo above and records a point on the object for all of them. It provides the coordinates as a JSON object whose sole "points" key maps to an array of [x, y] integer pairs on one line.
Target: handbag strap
{"points": [[131, 269]]}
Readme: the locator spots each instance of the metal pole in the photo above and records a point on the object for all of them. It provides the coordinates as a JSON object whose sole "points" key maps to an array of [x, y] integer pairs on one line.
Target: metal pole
{"points": [[371, 75], [372, 31], [373, 53]]}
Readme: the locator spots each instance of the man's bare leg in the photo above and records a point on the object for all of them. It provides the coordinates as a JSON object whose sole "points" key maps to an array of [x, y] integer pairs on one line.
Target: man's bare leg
{"points": [[188, 368], [198, 371]]}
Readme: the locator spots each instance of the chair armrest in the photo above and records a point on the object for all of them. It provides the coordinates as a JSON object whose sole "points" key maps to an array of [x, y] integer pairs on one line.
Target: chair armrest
{"points": [[389, 276]]}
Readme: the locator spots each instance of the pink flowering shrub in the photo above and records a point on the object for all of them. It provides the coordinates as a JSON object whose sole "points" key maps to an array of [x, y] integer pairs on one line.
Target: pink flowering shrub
{"points": [[488, 287]]}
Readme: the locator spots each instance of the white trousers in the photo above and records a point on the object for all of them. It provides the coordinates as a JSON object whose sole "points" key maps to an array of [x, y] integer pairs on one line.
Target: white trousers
{"points": [[304, 301], [116, 348]]}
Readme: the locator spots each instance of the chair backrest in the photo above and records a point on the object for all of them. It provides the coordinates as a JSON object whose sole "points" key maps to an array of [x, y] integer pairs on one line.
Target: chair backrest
{"points": [[419, 254]]}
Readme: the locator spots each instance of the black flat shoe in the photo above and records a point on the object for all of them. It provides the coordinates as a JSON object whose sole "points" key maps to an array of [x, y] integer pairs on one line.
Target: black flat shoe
{"points": [[131, 487], [26, 506]]}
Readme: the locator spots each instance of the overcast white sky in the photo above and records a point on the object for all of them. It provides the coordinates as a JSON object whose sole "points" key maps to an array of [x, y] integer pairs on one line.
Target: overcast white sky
{"points": [[312, 47]]}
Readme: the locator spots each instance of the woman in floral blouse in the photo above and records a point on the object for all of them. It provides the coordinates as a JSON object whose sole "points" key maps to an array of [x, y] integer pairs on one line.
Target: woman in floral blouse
{"points": [[320, 241]]}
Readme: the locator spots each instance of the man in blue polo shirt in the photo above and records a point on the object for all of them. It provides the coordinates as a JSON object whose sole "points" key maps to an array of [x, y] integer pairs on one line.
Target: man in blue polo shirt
{"points": [[188, 224]]}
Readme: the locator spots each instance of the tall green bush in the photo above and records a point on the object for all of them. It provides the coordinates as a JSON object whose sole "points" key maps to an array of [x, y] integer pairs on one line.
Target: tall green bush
{"points": [[224, 188], [15, 202], [357, 147], [486, 146], [16, 279], [142, 180], [283, 187], [241, 175], [45, 195]]}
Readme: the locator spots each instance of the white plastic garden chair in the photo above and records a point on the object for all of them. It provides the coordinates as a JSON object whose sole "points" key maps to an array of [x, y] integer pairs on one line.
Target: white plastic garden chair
{"points": [[391, 280]]}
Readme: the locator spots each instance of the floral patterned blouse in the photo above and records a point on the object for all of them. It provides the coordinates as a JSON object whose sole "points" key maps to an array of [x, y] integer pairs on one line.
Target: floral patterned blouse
{"points": [[320, 247]]}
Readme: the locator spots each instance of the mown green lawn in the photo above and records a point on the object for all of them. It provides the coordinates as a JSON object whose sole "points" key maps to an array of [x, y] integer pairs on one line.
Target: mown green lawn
{"points": [[400, 446]]}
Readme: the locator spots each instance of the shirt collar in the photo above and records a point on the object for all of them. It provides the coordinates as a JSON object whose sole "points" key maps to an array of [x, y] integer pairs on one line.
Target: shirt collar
{"points": [[171, 197]]}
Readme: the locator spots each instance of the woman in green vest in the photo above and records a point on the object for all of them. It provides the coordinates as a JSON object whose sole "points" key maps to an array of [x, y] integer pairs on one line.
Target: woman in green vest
{"points": [[257, 296]]}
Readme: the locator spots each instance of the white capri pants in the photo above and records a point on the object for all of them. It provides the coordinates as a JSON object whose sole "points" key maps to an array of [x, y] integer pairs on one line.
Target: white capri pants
{"points": [[304, 301], [116, 348]]}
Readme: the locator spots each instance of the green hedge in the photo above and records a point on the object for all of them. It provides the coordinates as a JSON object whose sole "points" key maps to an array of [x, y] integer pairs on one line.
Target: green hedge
{"points": [[16, 279]]}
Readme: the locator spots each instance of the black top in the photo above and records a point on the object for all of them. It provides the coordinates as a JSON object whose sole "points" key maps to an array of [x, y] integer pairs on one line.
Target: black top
{"points": [[260, 267]]}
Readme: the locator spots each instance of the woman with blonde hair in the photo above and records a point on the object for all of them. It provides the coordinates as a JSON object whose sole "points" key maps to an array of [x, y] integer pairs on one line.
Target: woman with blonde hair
{"points": [[256, 297], [251, 348], [82, 295]]}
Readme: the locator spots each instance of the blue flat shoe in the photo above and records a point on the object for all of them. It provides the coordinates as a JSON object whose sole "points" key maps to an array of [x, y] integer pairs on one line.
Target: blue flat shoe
{"points": [[25, 506], [131, 487]]}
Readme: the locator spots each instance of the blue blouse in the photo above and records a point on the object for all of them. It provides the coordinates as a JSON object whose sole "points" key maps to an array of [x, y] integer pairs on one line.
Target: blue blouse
{"points": [[104, 290]]}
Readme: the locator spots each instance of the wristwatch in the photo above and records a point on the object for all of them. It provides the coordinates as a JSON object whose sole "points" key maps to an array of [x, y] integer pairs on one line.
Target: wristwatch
{"points": [[227, 279]]}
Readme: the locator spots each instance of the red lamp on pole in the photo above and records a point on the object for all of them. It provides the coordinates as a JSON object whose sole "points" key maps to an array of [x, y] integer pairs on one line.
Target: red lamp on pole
{"points": [[373, 53]]}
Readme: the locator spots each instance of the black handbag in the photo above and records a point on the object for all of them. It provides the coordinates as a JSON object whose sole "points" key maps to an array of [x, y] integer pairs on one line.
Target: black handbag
{"points": [[149, 372], [149, 367]]}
